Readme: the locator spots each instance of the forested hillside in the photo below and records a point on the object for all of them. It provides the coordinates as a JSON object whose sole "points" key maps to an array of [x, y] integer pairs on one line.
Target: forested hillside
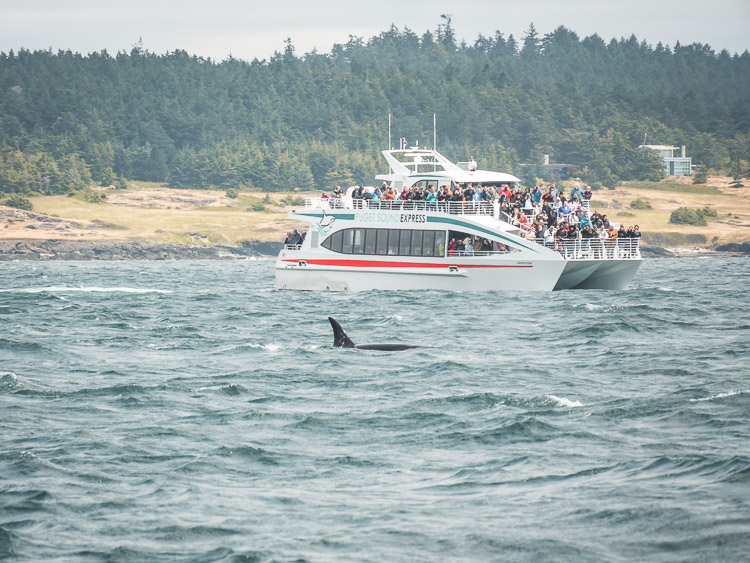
{"points": [[310, 122]]}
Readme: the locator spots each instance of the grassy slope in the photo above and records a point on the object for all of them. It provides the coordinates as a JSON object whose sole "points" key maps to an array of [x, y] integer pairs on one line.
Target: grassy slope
{"points": [[668, 195], [181, 222]]}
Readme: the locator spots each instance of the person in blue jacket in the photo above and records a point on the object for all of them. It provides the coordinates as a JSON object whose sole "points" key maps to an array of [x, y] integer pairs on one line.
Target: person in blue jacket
{"points": [[577, 191]]}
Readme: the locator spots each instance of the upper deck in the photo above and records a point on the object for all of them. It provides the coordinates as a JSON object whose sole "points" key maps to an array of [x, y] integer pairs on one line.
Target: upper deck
{"points": [[484, 211], [408, 167]]}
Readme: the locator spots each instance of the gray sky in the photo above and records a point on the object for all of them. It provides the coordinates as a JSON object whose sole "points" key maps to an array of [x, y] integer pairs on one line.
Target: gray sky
{"points": [[249, 29]]}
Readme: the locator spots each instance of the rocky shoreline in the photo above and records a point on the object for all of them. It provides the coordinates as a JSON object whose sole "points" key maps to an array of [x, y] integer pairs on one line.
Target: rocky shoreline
{"points": [[26, 249], [141, 249]]}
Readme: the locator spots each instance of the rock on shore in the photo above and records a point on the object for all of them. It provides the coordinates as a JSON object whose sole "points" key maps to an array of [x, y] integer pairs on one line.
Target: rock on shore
{"points": [[742, 247], [649, 251], [54, 249], [128, 250]]}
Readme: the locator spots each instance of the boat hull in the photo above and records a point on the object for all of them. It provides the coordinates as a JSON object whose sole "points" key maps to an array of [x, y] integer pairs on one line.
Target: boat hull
{"points": [[598, 274], [358, 248], [474, 276], [543, 275]]}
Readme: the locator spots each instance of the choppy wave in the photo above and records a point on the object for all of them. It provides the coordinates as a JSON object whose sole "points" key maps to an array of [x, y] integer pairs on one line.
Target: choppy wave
{"points": [[720, 396], [565, 402], [220, 424], [229, 390], [68, 289], [8, 380]]}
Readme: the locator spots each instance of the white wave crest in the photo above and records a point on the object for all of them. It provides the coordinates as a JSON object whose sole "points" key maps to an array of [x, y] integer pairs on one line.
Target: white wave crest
{"points": [[565, 402], [62, 289], [720, 396], [271, 347], [592, 307]]}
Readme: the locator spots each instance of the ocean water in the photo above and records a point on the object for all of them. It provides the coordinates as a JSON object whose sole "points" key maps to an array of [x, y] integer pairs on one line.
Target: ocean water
{"points": [[187, 411]]}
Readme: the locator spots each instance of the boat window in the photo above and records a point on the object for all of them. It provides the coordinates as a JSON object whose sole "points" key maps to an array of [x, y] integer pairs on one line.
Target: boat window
{"points": [[370, 238], [440, 243], [334, 241], [382, 246], [404, 248], [428, 243], [416, 243], [359, 243], [393, 242], [480, 244], [348, 241], [424, 184]]}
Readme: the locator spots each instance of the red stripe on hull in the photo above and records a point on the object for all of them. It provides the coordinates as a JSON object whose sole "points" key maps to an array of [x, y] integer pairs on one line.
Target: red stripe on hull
{"points": [[383, 264]]}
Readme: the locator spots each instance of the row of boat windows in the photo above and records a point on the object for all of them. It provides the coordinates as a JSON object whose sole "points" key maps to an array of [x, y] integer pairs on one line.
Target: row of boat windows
{"points": [[387, 242]]}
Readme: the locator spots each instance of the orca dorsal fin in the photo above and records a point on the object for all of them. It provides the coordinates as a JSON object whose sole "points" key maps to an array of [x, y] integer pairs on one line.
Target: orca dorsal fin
{"points": [[340, 339]]}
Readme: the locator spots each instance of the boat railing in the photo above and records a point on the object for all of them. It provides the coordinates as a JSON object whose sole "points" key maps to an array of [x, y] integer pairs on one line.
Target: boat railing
{"points": [[454, 253], [292, 247], [451, 207], [595, 249]]}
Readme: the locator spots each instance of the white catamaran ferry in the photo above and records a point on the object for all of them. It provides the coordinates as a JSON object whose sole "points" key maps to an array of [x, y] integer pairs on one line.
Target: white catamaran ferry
{"points": [[363, 244]]}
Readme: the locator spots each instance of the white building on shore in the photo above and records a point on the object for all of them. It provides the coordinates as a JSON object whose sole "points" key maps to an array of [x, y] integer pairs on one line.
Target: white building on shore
{"points": [[673, 165]]}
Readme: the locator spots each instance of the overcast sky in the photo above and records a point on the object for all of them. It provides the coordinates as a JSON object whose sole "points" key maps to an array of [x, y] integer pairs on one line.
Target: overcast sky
{"points": [[249, 29]]}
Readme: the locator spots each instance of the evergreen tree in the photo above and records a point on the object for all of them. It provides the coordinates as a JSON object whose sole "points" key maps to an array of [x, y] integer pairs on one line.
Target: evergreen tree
{"points": [[530, 43], [318, 119]]}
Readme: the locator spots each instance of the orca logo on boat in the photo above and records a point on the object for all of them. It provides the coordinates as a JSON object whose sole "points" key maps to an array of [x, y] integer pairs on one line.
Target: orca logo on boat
{"points": [[325, 224]]}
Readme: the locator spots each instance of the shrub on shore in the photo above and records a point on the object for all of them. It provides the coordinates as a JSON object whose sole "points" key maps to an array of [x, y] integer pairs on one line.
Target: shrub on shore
{"points": [[701, 176], [293, 200], [89, 195], [19, 202], [687, 216], [640, 204]]}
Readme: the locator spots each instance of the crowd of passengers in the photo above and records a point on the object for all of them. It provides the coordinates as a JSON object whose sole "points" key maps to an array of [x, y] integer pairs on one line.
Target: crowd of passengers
{"points": [[509, 199], [468, 245], [542, 213], [558, 218], [295, 238]]}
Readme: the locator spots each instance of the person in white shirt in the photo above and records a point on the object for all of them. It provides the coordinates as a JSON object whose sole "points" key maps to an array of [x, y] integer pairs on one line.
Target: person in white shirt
{"points": [[549, 236], [468, 247], [603, 242], [472, 164]]}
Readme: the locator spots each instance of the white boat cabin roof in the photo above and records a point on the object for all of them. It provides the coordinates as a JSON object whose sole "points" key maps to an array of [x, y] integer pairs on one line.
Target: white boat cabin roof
{"points": [[409, 166]]}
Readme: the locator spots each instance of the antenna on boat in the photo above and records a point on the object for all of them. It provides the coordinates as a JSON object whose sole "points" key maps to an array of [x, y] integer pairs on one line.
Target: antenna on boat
{"points": [[390, 146], [434, 131]]}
